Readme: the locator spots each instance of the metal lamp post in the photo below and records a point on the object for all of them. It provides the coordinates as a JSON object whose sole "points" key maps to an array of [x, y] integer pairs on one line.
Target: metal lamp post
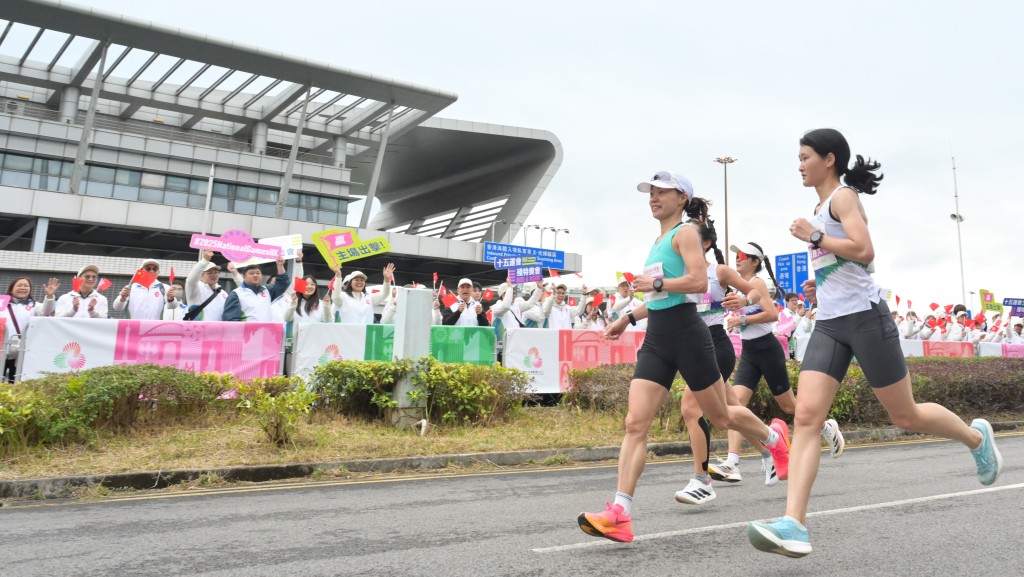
{"points": [[558, 230], [958, 218], [725, 161]]}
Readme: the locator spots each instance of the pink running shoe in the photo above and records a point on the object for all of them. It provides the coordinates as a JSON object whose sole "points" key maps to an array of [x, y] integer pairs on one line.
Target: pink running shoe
{"points": [[780, 452], [612, 523]]}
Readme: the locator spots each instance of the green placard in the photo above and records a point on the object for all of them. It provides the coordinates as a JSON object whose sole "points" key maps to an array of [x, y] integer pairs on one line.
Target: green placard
{"points": [[474, 345]]}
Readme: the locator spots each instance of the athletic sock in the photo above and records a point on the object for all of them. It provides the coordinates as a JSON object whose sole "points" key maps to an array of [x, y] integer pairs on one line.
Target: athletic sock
{"points": [[765, 453], [772, 439], [703, 478], [625, 500], [732, 459]]}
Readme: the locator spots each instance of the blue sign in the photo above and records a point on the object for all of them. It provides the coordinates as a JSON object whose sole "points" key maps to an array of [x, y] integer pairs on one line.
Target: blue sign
{"points": [[1013, 302], [791, 272], [505, 256]]}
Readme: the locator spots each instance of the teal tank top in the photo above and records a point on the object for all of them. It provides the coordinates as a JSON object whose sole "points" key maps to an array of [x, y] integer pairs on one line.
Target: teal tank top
{"points": [[664, 261]]}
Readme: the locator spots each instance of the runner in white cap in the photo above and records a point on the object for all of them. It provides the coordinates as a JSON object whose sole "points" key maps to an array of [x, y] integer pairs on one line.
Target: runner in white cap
{"points": [[852, 320], [677, 341]]}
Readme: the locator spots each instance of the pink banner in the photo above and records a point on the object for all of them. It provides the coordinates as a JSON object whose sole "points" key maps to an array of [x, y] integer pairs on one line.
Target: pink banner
{"points": [[1015, 351], [948, 349], [584, 349], [246, 350]]}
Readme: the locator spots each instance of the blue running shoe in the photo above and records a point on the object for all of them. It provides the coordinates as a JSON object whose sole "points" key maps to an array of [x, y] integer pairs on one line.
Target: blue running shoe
{"points": [[785, 536], [986, 456]]}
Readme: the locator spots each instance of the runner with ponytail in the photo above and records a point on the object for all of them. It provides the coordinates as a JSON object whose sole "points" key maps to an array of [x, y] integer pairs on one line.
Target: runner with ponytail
{"points": [[853, 320], [677, 341]]}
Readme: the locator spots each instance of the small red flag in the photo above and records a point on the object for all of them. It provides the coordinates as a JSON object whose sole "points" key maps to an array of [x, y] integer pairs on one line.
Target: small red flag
{"points": [[628, 276], [934, 306], [553, 272], [170, 279], [933, 323], [76, 283], [144, 278], [490, 316], [449, 299], [910, 305], [435, 278], [598, 299], [897, 300], [330, 285], [487, 295], [104, 284], [980, 319], [443, 291], [948, 308], [969, 323], [300, 285], [572, 301]]}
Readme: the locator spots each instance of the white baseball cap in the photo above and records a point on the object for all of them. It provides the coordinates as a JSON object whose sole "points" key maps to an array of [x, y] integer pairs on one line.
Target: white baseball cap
{"points": [[748, 249], [465, 281], [353, 275], [665, 179], [147, 261], [211, 265], [91, 267]]}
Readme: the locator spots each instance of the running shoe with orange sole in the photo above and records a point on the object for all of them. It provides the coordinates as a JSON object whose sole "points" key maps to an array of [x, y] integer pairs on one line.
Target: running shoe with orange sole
{"points": [[780, 452], [612, 523]]}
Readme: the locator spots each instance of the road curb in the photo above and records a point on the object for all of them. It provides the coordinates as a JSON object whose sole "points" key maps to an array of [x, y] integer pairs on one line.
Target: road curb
{"points": [[62, 487]]}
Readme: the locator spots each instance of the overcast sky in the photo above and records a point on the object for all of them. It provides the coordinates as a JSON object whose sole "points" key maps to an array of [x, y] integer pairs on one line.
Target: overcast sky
{"points": [[633, 88]]}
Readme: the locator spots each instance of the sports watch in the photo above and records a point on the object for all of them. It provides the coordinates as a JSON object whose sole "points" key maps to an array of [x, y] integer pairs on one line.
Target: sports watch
{"points": [[659, 285], [816, 238]]}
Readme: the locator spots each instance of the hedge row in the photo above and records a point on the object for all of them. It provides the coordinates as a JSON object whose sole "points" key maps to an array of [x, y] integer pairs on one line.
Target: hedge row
{"points": [[967, 387], [74, 407]]}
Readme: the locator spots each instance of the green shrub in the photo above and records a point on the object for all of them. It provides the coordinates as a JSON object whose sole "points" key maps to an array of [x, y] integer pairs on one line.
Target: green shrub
{"points": [[25, 417], [278, 403], [464, 394], [358, 388]]}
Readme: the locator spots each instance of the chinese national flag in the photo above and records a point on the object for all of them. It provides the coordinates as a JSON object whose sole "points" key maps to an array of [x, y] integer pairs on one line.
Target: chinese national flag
{"points": [[300, 286], [897, 300], [76, 283], [553, 273], [572, 301], [443, 291], [948, 308], [969, 323], [598, 299], [932, 323], [449, 299], [628, 276], [980, 319], [934, 306], [144, 278]]}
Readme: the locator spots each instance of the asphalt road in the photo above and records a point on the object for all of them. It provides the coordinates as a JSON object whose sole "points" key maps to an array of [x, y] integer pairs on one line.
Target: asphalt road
{"points": [[899, 509]]}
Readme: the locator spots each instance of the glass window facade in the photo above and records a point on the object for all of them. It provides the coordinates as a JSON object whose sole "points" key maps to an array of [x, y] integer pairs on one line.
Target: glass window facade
{"points": [[27, 171]]}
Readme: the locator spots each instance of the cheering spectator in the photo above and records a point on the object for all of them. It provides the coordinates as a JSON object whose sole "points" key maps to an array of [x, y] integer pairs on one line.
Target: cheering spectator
{"points": [[19, 311], [625, 302], [144, 301], [85, 302], [352, 303], [466, 312], [251, 302], [556, 309], [592, 317], [307, 306], [175, 309], [202, 290]]}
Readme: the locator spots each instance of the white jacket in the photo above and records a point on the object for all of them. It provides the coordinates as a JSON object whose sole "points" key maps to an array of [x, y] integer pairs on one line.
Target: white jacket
{"points": [[65, 306]]}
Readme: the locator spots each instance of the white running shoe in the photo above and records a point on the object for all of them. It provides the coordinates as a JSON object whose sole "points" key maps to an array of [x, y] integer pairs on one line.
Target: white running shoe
{"points": [[725, 471], [768, 468], [696, 493], [833, 437]]}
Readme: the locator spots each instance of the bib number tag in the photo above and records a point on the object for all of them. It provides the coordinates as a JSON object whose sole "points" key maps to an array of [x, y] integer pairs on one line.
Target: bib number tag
{"points": [[655, 270], [821, 258]]}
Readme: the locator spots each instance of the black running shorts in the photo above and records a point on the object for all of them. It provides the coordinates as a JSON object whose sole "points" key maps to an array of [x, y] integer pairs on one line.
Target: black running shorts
{"points": [[763, 356], [869, 335], [677, 340], [725, 353]]}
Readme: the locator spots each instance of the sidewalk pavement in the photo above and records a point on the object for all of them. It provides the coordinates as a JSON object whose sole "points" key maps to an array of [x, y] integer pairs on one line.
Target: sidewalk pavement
{"points": [[63, 487]]}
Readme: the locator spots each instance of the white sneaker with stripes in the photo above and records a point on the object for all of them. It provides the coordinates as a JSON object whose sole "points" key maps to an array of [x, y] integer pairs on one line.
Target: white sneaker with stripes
{"points": [[696, 493], [768, 468]]}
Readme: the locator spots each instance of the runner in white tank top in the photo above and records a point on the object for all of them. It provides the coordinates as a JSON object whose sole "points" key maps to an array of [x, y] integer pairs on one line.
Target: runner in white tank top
{"points": [[852, 321]]}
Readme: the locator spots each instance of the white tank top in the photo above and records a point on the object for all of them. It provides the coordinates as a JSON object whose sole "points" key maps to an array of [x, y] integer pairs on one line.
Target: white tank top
{"points": [[754, 330], [709, 304], [844, 287]]}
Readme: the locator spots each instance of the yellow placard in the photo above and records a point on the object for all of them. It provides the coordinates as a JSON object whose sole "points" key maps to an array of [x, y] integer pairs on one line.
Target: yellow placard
{"points": [[338, 245]]}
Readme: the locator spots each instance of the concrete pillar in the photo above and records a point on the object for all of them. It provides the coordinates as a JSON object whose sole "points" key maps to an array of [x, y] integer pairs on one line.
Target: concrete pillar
{"points": [[259, 137], [412, 341], [69, 104], [340, 151], [39, 234]]}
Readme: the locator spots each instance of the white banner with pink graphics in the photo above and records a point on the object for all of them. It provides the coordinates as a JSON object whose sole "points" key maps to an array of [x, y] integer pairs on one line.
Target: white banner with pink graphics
{"points": [[246, 350], [548, 355]]}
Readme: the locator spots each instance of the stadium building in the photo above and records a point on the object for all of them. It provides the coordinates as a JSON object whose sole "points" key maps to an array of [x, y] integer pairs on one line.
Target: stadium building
{"points": [[115, 134]]}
